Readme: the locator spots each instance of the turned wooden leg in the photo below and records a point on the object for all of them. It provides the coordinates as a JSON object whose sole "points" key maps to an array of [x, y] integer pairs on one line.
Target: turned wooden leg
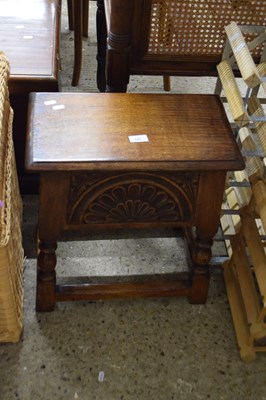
{"points": [[119, 46], [202, 251], [46, 278], [113, 48], [52, 208], [211, 186], [201, 255]]}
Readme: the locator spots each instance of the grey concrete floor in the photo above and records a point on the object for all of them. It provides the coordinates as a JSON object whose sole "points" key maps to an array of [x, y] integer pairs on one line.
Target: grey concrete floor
{"points": [[135, 349]]}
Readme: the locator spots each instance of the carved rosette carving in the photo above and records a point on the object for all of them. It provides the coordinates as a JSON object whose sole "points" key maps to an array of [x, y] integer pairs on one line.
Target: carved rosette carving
{"points": [[132, 198]]}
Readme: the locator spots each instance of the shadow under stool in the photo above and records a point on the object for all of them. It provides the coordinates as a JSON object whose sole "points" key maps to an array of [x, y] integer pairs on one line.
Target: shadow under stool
{"points": [[110, 161]]}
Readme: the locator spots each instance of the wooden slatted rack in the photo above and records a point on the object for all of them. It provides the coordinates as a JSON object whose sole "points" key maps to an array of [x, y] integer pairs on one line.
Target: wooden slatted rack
{"points": [[243, 217]]}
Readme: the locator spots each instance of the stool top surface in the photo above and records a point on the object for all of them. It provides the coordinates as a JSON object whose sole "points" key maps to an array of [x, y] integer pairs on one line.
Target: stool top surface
{"points": [[80, 131]]}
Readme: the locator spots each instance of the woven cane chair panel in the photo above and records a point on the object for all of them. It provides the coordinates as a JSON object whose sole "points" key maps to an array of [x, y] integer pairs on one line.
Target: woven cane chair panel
{"points": [[196, 27]]}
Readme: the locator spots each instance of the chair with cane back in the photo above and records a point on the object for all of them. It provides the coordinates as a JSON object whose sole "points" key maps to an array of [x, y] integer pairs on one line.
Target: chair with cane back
{"points": [[166, 37]]}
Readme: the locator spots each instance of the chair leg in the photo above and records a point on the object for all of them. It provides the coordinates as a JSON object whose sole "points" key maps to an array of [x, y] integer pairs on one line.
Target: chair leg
{"points": [[85, 15], [70, 14], [101, 45], [80, 22], [77, 17], [167, 83]]}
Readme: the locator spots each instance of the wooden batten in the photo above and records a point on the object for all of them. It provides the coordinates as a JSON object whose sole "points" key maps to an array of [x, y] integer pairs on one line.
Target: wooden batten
{"points": [[229, 226], [242, 55], [233, 204], [254, 165], [228, 230], [259, 191], [255, 109], [257, 331], [246, 282], [232, 94], [262, 72], [241, 326], [243, 193], [256, 250], [245, 271]]}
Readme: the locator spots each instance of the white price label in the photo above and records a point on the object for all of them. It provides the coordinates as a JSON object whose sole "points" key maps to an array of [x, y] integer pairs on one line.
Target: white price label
{"points": [[58, 107], [49, 102], [138, 138]]}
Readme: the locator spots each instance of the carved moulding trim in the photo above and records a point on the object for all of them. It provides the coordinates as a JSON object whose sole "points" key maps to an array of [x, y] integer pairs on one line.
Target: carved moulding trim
{"points": [[132, 197]]}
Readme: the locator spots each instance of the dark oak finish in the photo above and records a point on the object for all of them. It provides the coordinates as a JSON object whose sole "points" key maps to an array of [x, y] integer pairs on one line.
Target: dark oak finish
{"points": [[78, 19], [93, 177], [161, 37], [29, 36]]}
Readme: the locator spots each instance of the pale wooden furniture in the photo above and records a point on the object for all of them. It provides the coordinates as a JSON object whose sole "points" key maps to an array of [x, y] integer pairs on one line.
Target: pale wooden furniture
{"points": [[111, 161], [11, 252], [244, 227], [165, 37], [31, 43]]}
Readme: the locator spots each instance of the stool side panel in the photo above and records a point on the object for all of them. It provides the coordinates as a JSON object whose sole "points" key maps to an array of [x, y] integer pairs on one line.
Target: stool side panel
{"points": [[126, 198]]}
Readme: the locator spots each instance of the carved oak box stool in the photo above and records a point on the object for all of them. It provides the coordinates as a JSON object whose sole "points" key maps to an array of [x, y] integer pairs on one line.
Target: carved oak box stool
{"points": [[110, 161]]}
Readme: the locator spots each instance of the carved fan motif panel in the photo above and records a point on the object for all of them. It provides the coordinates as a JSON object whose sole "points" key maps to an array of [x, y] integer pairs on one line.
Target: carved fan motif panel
{"points": [[132, 198], [196, 27]]}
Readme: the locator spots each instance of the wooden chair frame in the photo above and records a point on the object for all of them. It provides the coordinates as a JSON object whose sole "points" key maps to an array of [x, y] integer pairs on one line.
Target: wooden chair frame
{"points": [[125, 33]]}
